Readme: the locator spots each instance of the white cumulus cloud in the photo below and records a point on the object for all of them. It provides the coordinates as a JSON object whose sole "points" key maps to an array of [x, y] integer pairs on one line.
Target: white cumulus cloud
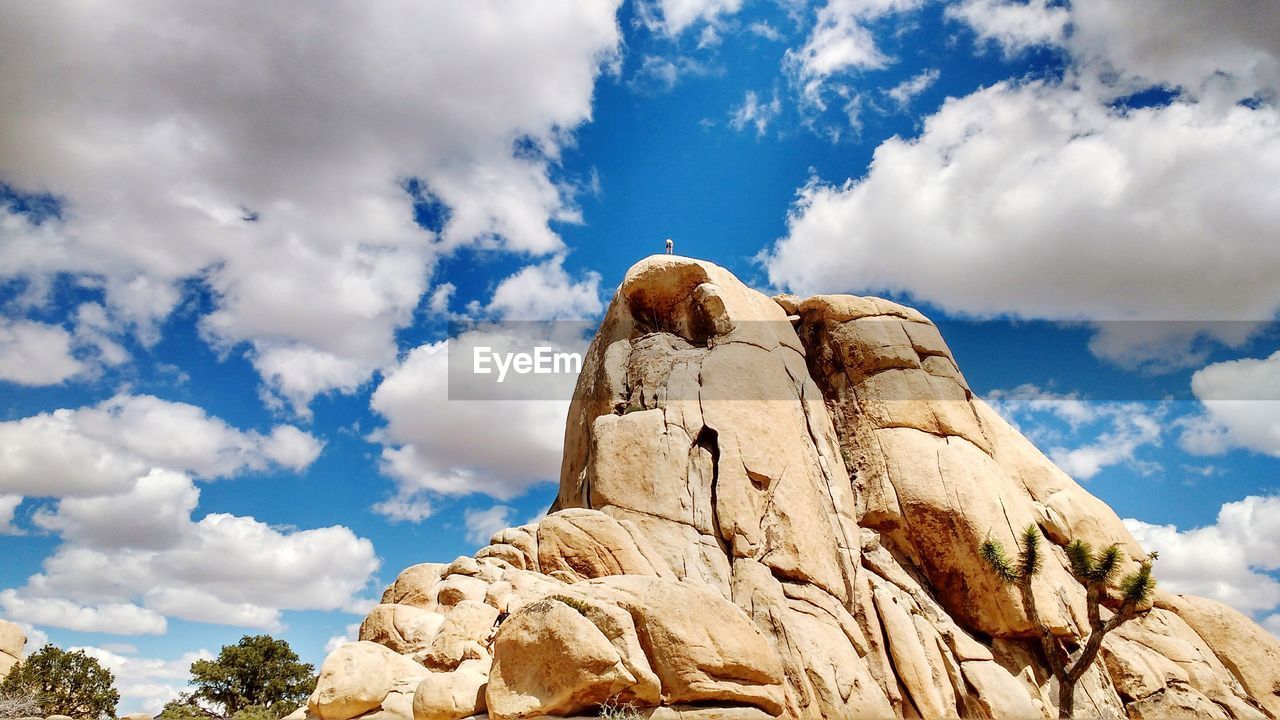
{"points": [[1200, 47], [133, 559], [1014, 26], [1038, 200], [1241, 407], [122, 618], [146, 684], [34, 353], [132, 550], [276, 173], [102, 449], [1049, 199], [439, 438], [547, 292], [8, 506], [1229, 561]]}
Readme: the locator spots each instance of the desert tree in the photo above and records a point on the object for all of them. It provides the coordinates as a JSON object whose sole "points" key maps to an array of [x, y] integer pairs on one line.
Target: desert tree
{"points": [[62, 682], [1095, 570], [258, 674]]}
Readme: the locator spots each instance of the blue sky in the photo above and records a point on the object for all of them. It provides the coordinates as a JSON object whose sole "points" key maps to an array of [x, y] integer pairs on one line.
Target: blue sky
{"points": [[228, 264]]}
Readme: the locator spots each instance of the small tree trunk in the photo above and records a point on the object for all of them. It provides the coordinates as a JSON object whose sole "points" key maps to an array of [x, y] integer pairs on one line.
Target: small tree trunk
{"points": [[1066, 699]]}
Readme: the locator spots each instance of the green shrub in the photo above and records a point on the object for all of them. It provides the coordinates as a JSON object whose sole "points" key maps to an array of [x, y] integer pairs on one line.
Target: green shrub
{"points": [[62, 682]]}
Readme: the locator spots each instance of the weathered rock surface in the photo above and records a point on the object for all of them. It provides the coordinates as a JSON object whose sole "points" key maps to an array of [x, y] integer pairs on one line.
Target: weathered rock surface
{"points": [[771, 508], [12, 641]]}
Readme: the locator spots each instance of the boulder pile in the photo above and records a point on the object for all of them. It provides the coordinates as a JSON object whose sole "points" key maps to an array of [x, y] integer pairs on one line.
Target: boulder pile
{"points": [[772, 508]]}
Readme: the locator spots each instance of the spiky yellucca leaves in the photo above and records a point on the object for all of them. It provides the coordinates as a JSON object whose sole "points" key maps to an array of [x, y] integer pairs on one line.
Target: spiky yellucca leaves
{"points": [[1089, 567], [1136, 587], [1029, 558], [993, 554]]}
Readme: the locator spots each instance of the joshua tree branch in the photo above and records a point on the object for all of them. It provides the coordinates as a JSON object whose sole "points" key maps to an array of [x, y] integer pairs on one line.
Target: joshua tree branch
{"points": [[1095, 572]]}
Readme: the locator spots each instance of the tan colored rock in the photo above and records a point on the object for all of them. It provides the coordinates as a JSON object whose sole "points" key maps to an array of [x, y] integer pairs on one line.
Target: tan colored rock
{"points": [[415, 586], [923, 681], [999, 695], [1077, 514], [549, 659], [452, 695], [591, 544], [1249, 652], [789, 303], [518, 546], [398, 704], [703, 648], [1170, 640], [1138, 672], [519, 587], [775, 489], [402, 628], [454, 589], [136, 716], [953, 497], [357, 677], [464, 634], [12, 642], [691, 555], [772, 508], [504, 553], [637, 454], [1177, 702], [463, 565]]}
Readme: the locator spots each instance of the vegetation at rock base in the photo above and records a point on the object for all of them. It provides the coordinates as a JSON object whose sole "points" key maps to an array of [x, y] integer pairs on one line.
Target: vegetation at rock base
{"points": [[1095, 570], [615, 709], [184, 708], [20, 706], [257, 676], [61, 682]]}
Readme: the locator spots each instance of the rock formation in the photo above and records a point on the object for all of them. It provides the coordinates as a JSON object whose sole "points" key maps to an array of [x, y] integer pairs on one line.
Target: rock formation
{"points": [[12, 640], [772, 508]]}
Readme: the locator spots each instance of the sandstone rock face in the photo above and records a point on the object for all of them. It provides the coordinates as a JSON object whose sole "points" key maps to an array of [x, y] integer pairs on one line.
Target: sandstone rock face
{"points": [[12, 641], [771, 508]]}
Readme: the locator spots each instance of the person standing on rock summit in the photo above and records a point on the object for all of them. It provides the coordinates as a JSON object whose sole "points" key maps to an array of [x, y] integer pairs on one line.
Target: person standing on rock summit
{"points": [[671, 247]]}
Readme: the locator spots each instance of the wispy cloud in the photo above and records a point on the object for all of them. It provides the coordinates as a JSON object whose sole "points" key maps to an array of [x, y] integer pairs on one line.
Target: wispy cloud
{"points": [[907, 90], [755, 113]]}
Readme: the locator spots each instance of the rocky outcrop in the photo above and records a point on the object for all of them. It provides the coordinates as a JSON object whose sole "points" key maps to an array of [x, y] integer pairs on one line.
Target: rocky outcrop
{"points": [[772, 508], [12, 641]]}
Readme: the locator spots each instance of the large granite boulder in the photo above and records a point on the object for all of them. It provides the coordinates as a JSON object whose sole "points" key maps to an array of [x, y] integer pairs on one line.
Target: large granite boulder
{"points": [[771, 508]]}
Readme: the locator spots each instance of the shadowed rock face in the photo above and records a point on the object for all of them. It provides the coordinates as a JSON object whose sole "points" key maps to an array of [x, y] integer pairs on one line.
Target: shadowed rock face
{"points": [[772, 508]]}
